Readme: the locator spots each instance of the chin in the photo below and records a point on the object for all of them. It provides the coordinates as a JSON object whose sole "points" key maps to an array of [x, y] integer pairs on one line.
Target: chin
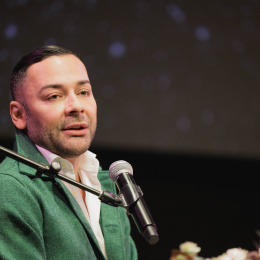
{"points": [[71, 147], [75, 149]]}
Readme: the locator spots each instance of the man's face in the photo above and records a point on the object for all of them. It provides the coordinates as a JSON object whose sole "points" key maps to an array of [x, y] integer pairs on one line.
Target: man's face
{"points": [[61, 112]]}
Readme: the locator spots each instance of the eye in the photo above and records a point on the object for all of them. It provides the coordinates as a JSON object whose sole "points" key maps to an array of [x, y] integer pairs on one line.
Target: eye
{"points": [[84, 93], [53, 97]]}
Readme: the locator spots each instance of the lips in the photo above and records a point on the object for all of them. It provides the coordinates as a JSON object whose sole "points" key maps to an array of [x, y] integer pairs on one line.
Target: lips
{"points": [[76, 129]]}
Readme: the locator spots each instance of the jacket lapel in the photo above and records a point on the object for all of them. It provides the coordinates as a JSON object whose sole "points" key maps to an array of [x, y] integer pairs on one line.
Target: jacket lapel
{"points": [[110, 222], [27, 148]]}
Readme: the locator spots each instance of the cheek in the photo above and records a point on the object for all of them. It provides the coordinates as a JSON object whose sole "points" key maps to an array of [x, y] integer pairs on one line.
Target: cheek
{"points": [[46, 116], [90, 108], [93, 112]]}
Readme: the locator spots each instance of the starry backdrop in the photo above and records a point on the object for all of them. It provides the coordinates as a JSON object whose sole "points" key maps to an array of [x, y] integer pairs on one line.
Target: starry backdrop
{"points": [[167, 75], [177, 88]]}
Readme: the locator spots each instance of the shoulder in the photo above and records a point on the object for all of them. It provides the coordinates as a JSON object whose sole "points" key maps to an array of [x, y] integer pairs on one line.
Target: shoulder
{"points": [[14, 181], [9, 167]]}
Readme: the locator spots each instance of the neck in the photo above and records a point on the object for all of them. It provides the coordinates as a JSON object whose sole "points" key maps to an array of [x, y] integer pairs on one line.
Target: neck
{"points": [[75, 163]]}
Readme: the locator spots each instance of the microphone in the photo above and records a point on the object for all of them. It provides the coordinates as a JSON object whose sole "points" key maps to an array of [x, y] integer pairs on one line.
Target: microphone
{"points": [[121, 172]]}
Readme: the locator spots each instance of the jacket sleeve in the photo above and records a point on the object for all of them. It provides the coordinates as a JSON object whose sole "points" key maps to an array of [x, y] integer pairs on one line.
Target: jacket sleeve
{"points": [[21, 221]]}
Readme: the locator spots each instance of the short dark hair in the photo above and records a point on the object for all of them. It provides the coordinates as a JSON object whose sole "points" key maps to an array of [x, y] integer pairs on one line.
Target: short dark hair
{"points": [[20, 70]]}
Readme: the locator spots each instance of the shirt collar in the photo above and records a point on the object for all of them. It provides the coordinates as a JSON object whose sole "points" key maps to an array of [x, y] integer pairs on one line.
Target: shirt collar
{"points": [[88, 162]]}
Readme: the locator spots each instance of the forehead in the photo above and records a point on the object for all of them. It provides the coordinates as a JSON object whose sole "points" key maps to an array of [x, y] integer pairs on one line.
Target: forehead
{"points": [[57, 69]]}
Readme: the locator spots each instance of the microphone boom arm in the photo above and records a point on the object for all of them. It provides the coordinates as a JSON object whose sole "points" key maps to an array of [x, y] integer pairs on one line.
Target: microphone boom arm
{"points": [[52, 171]]}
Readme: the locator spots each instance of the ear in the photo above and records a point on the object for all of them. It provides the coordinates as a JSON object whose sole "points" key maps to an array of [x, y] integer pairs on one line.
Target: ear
{"points": [[18, 114]]}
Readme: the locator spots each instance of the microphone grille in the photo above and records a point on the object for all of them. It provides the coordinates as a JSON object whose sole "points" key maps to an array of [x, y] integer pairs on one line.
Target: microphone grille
{"points": [[118, 167]]}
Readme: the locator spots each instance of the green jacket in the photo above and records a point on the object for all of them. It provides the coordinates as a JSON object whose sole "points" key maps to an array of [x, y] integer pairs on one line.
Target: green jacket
{"points": [[40, 219]]}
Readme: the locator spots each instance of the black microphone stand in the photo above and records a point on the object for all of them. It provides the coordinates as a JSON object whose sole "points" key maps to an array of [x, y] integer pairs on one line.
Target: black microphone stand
{"points": [[52, 171]]}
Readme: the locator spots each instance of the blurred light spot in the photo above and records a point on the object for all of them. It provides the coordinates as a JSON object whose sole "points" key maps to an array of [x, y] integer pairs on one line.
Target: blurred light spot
{"points": [[57, 5], [10, 30], [108, 91], [109, 120], [207, 117], [237, 46], [163, 82], [176, 13], [50, 41], [117, 49], [183, 123], [246, 10], [3, 54], [202, 33], [160, 55], [22, 2]]}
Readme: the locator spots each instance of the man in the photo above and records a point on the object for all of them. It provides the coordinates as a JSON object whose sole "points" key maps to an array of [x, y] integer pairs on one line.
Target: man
{"points": [[54, 112]]}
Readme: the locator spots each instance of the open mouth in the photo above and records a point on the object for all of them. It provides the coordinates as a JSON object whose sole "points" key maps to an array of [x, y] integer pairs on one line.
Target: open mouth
{"points": [[76, 129]]}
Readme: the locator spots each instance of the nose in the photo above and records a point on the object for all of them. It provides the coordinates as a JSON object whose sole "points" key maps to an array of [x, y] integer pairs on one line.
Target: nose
{"points": [[73, 105]]}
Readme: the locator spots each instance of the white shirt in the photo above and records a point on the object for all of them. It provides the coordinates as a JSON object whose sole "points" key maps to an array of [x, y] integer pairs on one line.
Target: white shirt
{"points": [[88, 170]]}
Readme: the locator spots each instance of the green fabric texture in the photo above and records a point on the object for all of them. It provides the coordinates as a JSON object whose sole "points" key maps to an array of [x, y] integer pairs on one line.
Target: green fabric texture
{"points": [[40, 219]]}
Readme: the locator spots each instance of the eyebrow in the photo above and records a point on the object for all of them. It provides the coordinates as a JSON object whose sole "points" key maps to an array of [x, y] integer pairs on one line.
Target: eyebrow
{"points": [[60, 86]]}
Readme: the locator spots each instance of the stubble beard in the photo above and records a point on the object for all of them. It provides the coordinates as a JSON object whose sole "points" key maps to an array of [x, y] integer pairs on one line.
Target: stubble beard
{"points": [[52, 140]]}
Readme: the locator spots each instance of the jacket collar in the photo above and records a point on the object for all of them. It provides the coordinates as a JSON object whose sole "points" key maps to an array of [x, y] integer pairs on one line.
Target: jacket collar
{"points": [[27, 148]]}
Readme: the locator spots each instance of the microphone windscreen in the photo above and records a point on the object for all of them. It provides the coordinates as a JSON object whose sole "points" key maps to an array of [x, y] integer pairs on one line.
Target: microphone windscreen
{"points": [[119, 167]]}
